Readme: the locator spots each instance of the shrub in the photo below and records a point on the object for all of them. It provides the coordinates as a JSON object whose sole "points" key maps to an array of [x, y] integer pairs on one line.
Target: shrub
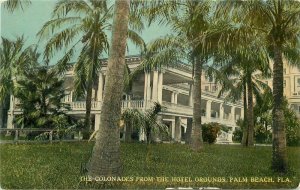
{"points": [[237, 135], [210, 132], [262, 135], [292, 125]]}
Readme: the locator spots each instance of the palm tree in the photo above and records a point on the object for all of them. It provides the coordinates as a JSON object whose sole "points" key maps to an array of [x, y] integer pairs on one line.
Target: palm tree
{"points": [[40, 93], [188, 25], [147, 121], [85, 25], [241, 75], [12, 5], [278, 21], [105, 159], [14, 59]]}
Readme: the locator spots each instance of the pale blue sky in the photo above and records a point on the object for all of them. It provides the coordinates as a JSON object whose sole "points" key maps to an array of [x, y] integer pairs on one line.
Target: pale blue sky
{"points": [[29, 21]]}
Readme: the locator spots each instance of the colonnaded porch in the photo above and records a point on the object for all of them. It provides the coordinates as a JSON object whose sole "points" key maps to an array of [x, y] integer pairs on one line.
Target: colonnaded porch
{"points": [[171, 87]]}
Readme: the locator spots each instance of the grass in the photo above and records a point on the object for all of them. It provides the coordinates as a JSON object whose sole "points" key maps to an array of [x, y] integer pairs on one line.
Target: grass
{"points": [[57, 166]]}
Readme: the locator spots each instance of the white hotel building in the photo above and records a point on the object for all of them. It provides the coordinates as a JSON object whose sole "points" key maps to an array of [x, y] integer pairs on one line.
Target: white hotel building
{"points": [[171, 87]]}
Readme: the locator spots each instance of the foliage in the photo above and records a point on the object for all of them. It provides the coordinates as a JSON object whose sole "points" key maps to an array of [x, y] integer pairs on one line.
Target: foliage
{"points": [[40, 93], [14, 59], [210, 132], [263, 115], [12, 5], [292, 128], [145, 121], [263, 134], [237, 135], [63, 161]]}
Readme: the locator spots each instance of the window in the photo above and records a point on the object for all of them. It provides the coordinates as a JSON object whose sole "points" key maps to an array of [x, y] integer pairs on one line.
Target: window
{"points": [[299, 109], [298, 82], [284, 83], [206, 88], [284, 71]]}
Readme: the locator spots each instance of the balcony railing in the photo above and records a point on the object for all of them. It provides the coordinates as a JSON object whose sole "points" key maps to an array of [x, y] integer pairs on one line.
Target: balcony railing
{"points": [[81, 105], [169, 107], [178, 108]]}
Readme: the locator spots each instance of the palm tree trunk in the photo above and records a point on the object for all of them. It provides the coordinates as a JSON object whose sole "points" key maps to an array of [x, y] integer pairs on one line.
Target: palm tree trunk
{"points": [[105, 159], [88, 104], [196, 135], [279, 159], [188, 130], [128, 131], [250, 114], [245, 123]]}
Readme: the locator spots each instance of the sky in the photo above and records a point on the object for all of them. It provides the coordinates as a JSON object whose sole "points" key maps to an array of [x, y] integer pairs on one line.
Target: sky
{"points": [[29, 21]]}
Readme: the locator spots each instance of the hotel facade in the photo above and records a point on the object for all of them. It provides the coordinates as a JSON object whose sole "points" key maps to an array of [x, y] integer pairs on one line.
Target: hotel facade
{"points": [[172, 88]]}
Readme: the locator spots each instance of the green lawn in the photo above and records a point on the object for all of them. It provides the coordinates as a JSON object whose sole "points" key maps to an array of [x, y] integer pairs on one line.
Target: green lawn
{"points": [[58, 165]]}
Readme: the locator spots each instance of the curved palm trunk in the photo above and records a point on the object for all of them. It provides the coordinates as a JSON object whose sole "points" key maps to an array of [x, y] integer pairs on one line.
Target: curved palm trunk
{"points": [[196, 135], [245, 123], [88, 104], [279, 158], [250, 115], [105, 159]]}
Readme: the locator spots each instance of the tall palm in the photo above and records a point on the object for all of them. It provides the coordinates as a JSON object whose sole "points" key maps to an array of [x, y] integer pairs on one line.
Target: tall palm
{"points": [[86, 24], [279, 22], [188, 25], [14, 59], [241, 75], [105, 159]]}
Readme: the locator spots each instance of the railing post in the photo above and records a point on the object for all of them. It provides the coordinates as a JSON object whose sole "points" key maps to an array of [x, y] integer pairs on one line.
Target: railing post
{"points": [[16, 135], [50, 136]]}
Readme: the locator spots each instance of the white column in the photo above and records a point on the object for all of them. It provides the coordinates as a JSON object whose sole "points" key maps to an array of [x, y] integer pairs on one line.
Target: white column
{"points": [[177, 129], [71, 96], [146, 86], [173, 129], [100, 87], [160, 87], [221, 111], [10, 116], [208, 109], [155, 86], [142, 135], [147, 89], [149, 86], [172, 97], [233, 114], [191, 95], [97, 121], [242, 113]]}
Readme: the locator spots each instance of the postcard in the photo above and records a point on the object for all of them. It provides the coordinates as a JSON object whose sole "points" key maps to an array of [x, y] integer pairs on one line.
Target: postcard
{"points": [[161, 94]]}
